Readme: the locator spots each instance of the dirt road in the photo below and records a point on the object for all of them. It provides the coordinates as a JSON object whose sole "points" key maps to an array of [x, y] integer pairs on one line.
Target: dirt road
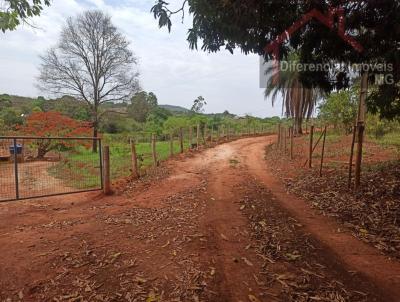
{"points": [[218, 228]]}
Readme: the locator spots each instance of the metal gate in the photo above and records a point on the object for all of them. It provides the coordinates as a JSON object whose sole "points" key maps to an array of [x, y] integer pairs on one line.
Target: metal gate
{"points": [[32, 167]]}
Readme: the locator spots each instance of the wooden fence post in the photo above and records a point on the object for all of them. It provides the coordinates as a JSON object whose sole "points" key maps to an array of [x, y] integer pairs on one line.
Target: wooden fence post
{"points": [[205, 135], [106, 171], [291, 142], [135, 168], [198, 136], [323, 152], [352, 156], [181, 139], [171, 144], [284, 139], [311, 146], [153, 150], [359, 155], [279, 136], [190, 137]]}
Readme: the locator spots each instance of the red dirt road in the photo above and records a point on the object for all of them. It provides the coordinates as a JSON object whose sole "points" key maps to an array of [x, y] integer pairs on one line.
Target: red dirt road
{"points": [[218, 228]]}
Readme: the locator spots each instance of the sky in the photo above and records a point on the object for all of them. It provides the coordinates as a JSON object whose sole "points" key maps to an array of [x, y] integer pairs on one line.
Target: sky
{"points": [[167, 67]]}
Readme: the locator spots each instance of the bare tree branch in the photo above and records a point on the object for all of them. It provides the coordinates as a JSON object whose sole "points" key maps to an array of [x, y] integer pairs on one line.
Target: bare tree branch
{"points": [[92, 62]]}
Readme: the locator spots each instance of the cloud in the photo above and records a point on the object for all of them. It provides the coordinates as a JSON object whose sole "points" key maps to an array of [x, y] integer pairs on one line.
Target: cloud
{"points": [[168, 67]]}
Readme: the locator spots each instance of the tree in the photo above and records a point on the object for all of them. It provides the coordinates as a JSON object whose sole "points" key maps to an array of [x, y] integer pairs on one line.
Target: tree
{"points": [[142, 104], [174, 123], [3, 127], [69, 106], [92, 62], [13, 12], [11, 117], [198, 105], [299, 101], [156, 119], [53, 124], [252, 25], [5, 101], [340, 109]]}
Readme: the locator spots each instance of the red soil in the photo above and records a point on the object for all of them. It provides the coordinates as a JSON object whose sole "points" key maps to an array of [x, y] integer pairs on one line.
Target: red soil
{"points": [[182, 238]]}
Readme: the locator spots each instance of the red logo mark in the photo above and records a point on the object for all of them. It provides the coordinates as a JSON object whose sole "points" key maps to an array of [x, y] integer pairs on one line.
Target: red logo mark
{"points": [[326, 19]]}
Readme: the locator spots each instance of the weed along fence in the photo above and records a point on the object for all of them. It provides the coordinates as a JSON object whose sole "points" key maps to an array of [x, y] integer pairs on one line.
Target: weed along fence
{"points": [[45, 166], [315, 150]]}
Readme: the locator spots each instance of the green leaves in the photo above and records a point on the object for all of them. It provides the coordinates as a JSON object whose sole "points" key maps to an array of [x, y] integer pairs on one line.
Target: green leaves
{"points": [[16, 11], [162, 14]]}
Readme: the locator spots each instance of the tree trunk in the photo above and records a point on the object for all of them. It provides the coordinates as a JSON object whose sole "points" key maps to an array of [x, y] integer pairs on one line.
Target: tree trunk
{"points": [[41, 153], [299, 126], [94, 145]]}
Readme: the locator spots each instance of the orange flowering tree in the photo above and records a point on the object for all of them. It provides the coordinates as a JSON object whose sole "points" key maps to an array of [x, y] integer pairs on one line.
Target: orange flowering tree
{"points": [[53, 124]]}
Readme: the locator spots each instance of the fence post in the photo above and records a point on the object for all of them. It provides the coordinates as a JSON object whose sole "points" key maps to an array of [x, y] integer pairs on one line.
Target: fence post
{"points": [[284, 139], [181, 139], [352, 156], [135, 170], [311, 146], [16, 169], [171, 144], [153, 150], [190, 137], [106, 170], [205, 135], [279, 136], [323, 152], [198, 137], [359, 156], [291, 142]]}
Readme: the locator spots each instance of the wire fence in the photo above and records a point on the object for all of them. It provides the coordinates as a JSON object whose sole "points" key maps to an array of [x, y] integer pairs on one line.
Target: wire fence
{"points": [[37, 167], [32, 167]]}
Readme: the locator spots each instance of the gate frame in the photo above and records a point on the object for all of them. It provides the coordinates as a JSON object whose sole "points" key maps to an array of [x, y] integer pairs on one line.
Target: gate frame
{"points": [[14, 139]]}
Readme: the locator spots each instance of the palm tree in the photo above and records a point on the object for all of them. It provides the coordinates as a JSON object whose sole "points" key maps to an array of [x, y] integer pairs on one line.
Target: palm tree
{"points": [[299, 102]]}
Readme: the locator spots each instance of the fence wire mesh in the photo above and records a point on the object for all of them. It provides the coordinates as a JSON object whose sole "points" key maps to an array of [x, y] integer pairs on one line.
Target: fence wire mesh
{"points": [[38, 167]]}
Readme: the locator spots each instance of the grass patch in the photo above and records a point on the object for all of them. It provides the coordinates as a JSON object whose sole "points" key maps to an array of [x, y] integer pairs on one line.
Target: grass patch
{"points": [[80, 168], [389, 140]]}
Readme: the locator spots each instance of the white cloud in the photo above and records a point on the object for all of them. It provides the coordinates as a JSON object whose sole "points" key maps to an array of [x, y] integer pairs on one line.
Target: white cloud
{"points": [[168, 67]]}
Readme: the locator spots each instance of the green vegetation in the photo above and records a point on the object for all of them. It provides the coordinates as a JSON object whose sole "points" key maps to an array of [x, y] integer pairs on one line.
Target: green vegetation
{"points": [[13, 12], [79, 167]]}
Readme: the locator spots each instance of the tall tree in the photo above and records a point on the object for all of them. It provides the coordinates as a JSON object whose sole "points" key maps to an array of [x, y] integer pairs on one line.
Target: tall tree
{"points": [[47, 124], [13, 12], [198, 105], [340, 109], [142, 104], [91, 62], [298, 100]]}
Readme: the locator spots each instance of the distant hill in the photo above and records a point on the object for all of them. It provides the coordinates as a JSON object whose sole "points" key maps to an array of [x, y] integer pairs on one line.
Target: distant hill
{"points": [[176, 109]]}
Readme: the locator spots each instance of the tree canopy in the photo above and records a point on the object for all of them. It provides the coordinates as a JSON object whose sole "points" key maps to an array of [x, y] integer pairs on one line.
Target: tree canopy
{"points": [[251, 25], [92, 62], [53, 124], [142, 104], [340, 109]]}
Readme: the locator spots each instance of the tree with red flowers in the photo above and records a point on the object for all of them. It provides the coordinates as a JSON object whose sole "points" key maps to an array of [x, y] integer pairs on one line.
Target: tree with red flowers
{"points": [[53, 124]]}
